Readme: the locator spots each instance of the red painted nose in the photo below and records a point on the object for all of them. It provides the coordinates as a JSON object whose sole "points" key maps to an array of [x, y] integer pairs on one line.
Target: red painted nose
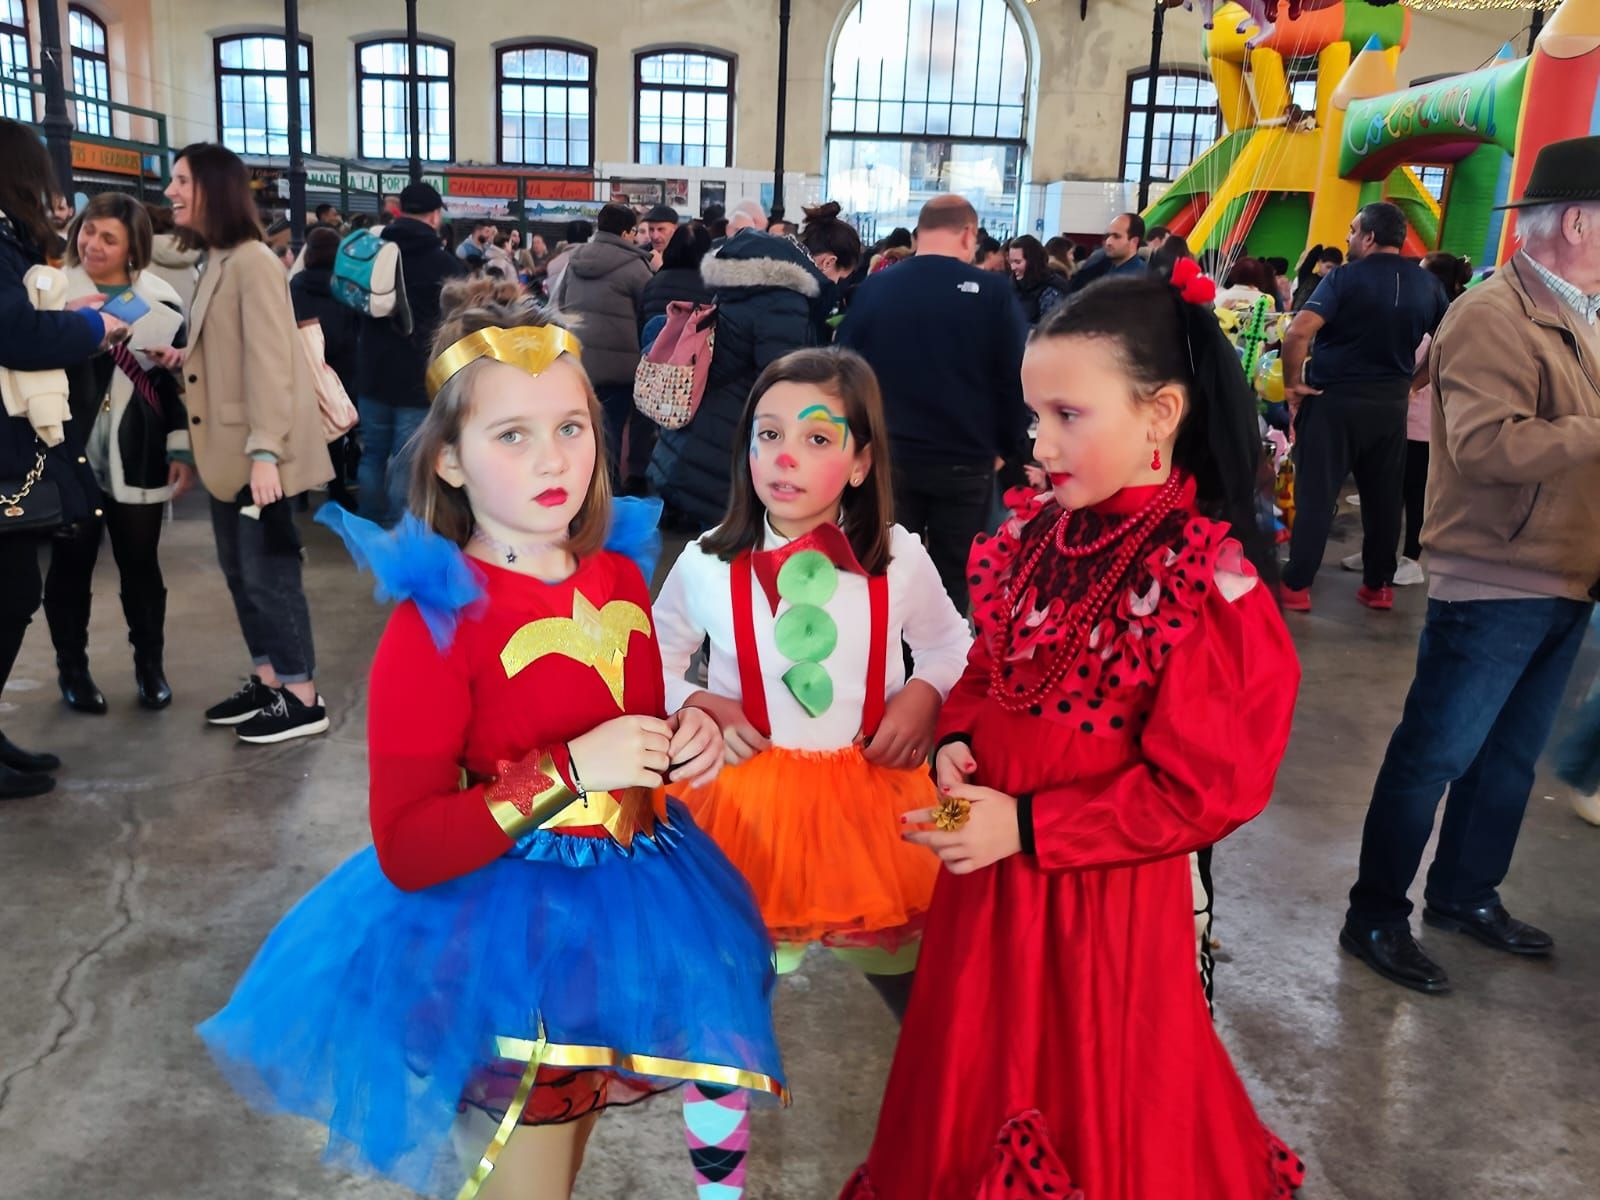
{"points": [[787, 461]]}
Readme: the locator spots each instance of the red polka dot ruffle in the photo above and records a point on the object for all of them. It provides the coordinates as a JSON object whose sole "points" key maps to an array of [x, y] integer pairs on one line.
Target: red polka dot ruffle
{"points": [[1108, 689]]}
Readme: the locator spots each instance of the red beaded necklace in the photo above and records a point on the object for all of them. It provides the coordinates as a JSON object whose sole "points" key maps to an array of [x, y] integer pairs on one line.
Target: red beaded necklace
{"points": [[1085, 614]]}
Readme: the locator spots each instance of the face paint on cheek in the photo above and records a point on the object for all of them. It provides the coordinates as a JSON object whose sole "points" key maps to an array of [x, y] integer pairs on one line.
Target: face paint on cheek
{"points": [[755, 444]]}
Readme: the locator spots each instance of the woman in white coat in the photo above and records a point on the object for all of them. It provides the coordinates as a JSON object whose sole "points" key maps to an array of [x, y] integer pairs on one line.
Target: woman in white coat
{"points": [[128, 422]]}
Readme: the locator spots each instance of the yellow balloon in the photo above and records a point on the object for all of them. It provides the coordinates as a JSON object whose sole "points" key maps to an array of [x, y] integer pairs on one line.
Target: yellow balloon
{"points": [[1228, 319], [1269, 379]]}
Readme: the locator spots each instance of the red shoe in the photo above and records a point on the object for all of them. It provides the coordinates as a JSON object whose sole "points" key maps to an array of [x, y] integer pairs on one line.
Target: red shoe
{"points": [[1294, 599], [1381, 598]]}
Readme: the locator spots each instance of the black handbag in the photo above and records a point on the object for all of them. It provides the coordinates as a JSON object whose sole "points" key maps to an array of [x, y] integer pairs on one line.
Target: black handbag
{"points": [[31, 504]]}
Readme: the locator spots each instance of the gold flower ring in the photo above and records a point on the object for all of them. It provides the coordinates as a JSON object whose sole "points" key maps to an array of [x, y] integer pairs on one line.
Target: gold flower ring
{"points": [[952, 814]]}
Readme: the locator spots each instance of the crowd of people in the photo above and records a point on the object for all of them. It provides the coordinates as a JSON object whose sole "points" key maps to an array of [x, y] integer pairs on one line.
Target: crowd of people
{"points": [[980, 750]]}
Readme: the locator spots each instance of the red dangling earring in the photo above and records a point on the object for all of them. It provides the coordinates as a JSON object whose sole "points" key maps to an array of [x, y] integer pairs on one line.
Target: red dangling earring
{"points": [[1155, 459]]}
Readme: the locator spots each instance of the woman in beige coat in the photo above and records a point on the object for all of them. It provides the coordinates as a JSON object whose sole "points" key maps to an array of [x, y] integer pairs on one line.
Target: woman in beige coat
{"points": [[257, 439], [129, 426]]}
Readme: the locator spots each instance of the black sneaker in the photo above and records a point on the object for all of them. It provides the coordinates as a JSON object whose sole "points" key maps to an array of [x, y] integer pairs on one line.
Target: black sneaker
{"points": [[242, 705], [284, 717]]}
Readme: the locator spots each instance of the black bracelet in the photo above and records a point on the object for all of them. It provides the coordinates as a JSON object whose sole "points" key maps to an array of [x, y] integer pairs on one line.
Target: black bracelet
{"points": [[1025, 822], [572, 770]]}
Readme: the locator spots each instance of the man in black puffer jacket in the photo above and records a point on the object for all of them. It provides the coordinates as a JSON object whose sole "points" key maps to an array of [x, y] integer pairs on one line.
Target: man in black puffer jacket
{"points": [[771, 299], [392, 398], [601, 286]]}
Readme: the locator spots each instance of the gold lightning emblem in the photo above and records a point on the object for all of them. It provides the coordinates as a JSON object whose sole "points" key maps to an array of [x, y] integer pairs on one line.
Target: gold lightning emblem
{"points": [[592, 636]]}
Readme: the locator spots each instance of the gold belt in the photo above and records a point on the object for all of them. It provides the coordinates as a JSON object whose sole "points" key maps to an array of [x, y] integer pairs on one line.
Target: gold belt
{"points": [[621, 814], [543, 801]]}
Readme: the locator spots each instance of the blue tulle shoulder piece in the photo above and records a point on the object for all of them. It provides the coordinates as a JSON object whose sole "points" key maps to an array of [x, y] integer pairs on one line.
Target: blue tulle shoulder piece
{"points": [[410, 562], [635, 532]]}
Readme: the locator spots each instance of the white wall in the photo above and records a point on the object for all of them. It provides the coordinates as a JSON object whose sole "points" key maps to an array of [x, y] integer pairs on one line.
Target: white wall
{"points": [[1080, 73]]}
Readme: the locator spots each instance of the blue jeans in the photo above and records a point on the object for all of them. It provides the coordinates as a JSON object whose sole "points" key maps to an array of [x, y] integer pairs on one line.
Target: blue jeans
{"points": [[1578, 759], [385, 471], [1490, 675]]}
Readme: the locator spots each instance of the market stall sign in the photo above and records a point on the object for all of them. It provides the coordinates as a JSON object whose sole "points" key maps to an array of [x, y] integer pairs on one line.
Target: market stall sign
{"points": [[112, 160]]}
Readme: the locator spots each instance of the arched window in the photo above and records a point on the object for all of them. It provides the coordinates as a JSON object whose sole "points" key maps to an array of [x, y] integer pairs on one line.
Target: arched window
{"points": [[683, 108], [546, 105], [928, 96], [16, 64], [1182, 119], [91, 70], [382, 75], [253, 95]]}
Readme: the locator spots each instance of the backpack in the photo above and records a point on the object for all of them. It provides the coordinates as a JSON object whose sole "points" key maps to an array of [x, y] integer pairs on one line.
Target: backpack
{"points": [[367, 277], [670, 380]]}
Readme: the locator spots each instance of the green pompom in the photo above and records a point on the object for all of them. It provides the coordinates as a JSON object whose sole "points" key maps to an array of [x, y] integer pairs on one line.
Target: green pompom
{"points": [[809, 684], [805, 634], [808, 578]]}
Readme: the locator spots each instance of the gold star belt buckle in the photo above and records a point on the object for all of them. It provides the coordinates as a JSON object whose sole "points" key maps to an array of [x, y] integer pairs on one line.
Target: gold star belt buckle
{"points": [[951, 814]]}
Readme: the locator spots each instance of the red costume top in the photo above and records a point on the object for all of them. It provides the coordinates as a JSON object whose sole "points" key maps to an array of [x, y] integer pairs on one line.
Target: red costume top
{"points": [[531, 667], [1058, 1033]]}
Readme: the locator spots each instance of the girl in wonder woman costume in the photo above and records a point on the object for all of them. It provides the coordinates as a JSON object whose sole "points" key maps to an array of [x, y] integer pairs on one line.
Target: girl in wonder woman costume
{"points": [[806, 591], [1127, 700], [536, 932]]}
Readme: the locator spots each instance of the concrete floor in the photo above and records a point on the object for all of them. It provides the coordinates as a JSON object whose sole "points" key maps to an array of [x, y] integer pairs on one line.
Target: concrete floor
{"points": [[132, 898]]}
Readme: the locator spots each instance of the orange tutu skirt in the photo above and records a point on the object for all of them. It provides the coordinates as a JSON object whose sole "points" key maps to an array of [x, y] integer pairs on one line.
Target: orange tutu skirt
{"points": [[817, 834]]}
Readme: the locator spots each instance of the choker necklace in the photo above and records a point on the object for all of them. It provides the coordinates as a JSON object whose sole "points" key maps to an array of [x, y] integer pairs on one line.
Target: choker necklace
{"points": [[509, 552]]}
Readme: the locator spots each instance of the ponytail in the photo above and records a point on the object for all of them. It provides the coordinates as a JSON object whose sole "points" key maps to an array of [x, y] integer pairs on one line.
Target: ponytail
{"points": [[1167, 333], [1220, 443]]}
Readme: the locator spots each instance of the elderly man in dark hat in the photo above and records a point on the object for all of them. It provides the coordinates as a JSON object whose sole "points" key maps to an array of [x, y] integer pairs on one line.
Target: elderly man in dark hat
{"points": [[661, 222], [1512, 535]]}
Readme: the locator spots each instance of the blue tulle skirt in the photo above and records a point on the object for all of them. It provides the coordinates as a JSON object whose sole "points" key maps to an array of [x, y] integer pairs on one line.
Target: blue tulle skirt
{"points": [[369, 1009]]}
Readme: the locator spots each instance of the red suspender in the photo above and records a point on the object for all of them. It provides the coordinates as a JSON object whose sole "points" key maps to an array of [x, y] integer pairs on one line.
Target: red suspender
{"points": [[752, 687], [753, 692], [877, 651]]}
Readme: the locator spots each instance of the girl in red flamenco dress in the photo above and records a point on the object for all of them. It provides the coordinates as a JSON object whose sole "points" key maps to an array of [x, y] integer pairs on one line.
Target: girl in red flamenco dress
{"points": [[1126, 702]]}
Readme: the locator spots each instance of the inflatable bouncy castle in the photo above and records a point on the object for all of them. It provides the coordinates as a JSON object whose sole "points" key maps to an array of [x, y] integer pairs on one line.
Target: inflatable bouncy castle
{"points": [[1280, 178]]}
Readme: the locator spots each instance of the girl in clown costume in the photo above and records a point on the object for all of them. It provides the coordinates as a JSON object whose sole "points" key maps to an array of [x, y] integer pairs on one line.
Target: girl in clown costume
{"points": [[806, 591]]}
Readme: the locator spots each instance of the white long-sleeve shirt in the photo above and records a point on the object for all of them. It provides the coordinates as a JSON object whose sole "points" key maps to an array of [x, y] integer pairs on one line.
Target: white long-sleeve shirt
{"points": [[696, 602]]}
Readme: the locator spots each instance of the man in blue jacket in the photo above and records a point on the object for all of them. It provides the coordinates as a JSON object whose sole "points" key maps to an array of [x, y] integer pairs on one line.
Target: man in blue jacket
{"points": [[392, 365], [946, 342]]}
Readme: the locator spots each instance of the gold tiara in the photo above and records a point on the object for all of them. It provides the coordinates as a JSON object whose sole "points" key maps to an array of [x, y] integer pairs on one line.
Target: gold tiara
{"points": [[530, 348]]}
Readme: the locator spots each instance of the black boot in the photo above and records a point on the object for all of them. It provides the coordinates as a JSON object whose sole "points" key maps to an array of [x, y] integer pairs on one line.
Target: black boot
{"points": [[79, 689], [18, 759], [18, 785], [69, 630], [147, 618]]}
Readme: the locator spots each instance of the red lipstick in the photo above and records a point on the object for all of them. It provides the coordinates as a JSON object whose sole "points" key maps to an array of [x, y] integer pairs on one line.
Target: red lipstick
{"points": [[551, 497], [1058, 478]]}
